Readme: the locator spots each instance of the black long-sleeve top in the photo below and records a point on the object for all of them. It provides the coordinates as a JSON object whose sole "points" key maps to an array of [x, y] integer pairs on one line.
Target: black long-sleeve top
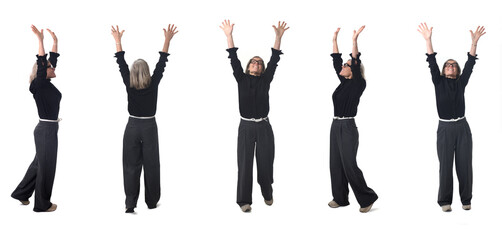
{"points": [[142, 102], [347, 94], [450, 99], [253, 90], [46, 95]]}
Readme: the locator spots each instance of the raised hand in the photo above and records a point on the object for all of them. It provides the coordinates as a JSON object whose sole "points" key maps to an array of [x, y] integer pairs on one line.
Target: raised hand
{"points": [[480, 31], [280, 29], [169, 33], [356, 33], [227, 27], [39, 34], [53, 35], [335, 37], [425, 31], [117, 34]]}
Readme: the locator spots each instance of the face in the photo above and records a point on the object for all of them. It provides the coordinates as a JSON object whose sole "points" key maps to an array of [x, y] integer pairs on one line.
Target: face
{"points": [[50, 71], [451, 69], [256, 66], [346, 71]]}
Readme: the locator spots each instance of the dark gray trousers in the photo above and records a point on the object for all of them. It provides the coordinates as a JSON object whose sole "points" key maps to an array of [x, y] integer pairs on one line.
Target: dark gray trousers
{"points": [[344, 141], [454, 140], [41, 172], [141, 150], [253, 135]]}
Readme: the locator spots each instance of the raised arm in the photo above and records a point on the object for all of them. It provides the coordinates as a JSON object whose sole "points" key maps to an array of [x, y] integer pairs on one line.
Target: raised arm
{"points": [[355, 50], [228, 29], [117, 35], [55, 44], [168, 34], [335, 43], [279, 31], [480, 31], [427, 34], [40, 36]]}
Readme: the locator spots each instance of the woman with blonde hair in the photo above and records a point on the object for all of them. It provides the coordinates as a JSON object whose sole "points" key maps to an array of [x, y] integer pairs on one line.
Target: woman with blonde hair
{"points": [[40, 175], [344, 136], [454, 138], [141, 142]]}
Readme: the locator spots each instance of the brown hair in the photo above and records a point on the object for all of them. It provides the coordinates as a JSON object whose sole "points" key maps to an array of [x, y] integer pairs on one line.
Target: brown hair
{"points": [[262, 65]]}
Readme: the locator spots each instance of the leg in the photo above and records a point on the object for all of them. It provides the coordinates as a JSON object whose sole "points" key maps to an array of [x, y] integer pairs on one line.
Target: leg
{"points": [[46, 141], [339, 184], [132, 161], [265, 150], [445, 148], [151, 163], [27, 186], [350, 142], [463, 162], [245, 155]]}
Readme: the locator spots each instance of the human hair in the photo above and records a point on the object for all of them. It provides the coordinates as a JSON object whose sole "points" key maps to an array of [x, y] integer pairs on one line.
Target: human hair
{"points": [[33, 74], [140, 75], [456, 66], [262, 65], [361, 68]]}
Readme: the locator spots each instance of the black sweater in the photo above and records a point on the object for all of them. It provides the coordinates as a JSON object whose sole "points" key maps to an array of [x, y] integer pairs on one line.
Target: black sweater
{"points": [[46, 95], [347, 94], [450, 99], [143, 102], [253, 90]]}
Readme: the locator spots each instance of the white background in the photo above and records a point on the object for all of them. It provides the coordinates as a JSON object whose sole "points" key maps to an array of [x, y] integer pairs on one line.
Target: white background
{"points": [[198, 116]]}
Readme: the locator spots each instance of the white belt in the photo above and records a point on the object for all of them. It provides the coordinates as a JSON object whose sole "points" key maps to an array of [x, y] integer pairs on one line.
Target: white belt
{"points": [[342, 118], [452, 120], [49, 120], [254, 119], [142, 117]]}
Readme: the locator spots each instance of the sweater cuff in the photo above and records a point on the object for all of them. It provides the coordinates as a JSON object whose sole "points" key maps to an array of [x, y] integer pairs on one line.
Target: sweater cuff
{"points": [[232, 52], [275, 51], [469, 56], [431, 55], [121, 54]]}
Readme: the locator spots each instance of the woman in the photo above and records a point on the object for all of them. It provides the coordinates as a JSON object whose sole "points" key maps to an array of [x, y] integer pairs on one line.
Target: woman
{"points": [[141, 142], [254, 129], [453, 135], [41, 172], [344, 137]]}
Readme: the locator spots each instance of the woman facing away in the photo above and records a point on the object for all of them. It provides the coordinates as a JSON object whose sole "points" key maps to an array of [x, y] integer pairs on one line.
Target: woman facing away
{"points": [[344, 137], [454, 138], [40, 175], [255, 130], [141, 141]]}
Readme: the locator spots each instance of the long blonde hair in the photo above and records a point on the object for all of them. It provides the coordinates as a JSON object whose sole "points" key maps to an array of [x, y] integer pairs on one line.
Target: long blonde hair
{"points": [[33, 74], [140, 75]]}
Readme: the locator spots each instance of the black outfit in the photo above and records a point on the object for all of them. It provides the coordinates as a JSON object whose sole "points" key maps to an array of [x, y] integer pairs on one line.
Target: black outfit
{"points": [[454, 139], [344, 138], [41, 172], [141, 142], [254, 104]]}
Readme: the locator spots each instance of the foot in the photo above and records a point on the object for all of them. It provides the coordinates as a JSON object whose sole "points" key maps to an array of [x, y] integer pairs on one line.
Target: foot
{"points": [[129, 210], [446, 208], [25, 202], [366, 209], [246, 208], [52, 208], [333, 204], [466, 207], [269, 202]]}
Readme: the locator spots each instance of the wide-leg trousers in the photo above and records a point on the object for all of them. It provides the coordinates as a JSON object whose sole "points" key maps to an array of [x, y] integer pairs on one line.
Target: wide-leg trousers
{"points": [[141, 151], [39, 177], [454, 141], [259, 136], [344, 141]]}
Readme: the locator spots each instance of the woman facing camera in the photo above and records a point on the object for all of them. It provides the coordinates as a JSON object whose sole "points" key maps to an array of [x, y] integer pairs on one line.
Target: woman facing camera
{"points": [[454, 138], [141, 141], [40, 175]]}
